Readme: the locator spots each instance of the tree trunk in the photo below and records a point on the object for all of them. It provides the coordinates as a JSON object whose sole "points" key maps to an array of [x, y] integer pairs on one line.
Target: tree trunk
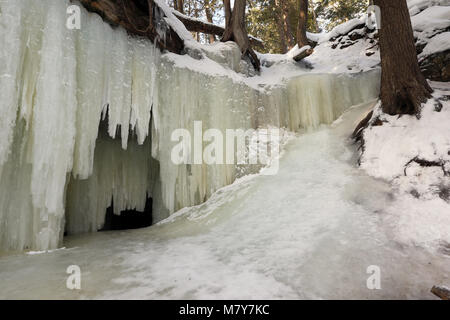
{"points": [[403, 87], [280, 27], [180, 5], [287, 24], [315, 23], [209, 18], [302, 40], [228, 13], [236, 31]]}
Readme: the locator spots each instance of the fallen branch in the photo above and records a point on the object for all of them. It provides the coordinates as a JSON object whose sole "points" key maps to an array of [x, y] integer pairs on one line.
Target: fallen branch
{"points": [[303, 54], [196, 25], [441, 292]]}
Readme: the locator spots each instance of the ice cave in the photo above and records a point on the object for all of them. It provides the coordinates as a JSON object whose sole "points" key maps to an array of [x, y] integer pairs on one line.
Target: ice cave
{"points": [[86, 127], [60, 174]]}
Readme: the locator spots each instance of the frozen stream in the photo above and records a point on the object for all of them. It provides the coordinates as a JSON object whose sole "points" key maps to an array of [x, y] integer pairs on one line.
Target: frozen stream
{"points": [[309, 232]]}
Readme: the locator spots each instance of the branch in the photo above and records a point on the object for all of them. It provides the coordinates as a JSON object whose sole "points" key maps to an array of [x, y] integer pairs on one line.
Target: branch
{"points": [[196, 25], [303, 54], [442, 292]]}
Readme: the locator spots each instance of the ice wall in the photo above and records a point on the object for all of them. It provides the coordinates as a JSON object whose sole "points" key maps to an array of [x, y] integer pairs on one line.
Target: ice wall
{"points": [[57, 82], [58, 173]]}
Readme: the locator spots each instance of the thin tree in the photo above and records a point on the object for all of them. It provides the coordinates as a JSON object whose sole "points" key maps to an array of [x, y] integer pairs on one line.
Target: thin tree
{"points": [[287, 24], [281, 29], [302, 40], [179, 5], [403, 87], [235, 29], [208, 5]]}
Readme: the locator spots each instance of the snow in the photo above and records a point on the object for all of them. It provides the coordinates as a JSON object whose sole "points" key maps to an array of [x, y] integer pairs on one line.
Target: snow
{"points": [[439, 43], [432, 18], [389, 147], [343, 28], [416, 6], [422, 214], [309, 232], [176, 24], [429, 22], [295, 51]]}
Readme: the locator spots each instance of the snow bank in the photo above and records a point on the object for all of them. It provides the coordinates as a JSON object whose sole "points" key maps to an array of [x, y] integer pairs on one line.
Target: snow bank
{"points": [[414, 156], [432, 18], [416, 6], [437, 44], [391, 146]]}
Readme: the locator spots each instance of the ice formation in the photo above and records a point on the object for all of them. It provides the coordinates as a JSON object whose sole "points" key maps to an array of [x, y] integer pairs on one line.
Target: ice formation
{"points": [[58, 172]]}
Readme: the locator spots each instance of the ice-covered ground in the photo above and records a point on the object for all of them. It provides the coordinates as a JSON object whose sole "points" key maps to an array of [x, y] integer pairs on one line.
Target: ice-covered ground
{"points": [[311, 231]]}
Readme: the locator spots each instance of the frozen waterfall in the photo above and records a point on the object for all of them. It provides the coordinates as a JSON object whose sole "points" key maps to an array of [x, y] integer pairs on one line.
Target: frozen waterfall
{"points": [[59, 171]]}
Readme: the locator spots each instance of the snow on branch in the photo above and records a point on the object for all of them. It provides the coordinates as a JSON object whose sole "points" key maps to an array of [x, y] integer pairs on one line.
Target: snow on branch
{"points": [[197, 25]]}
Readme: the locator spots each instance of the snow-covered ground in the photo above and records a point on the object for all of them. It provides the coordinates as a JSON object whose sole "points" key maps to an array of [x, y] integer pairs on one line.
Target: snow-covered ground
{"points": [[414, 155], [309, 232]]}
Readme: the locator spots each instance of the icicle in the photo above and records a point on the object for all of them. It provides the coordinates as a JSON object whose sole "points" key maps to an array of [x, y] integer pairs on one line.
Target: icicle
{"points": [[58, 83], [10, 62]]}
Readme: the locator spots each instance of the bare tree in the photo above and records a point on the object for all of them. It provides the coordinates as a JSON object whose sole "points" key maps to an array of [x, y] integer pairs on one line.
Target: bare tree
{"points": [[236, 31]]}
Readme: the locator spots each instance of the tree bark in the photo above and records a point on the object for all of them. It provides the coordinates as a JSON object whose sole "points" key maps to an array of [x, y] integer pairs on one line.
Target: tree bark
{"points": [[403, 87], [228, 13], [286, 24], [209, 18], [302, 40], [315, 23], [303, 54], [283, 25], [180, 5], [283, 41], [236, 31]]}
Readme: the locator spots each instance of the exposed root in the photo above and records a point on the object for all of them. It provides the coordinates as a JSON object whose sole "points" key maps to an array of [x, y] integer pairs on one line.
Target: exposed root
{"points": [[426, 163]]}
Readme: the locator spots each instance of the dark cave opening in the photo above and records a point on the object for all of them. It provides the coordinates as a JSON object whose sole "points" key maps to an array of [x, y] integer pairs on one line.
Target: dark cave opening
{"points": [[128, 219]]}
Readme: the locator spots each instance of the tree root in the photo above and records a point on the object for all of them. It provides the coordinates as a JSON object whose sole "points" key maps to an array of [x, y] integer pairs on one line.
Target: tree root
{"points": [[426, 163]]}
